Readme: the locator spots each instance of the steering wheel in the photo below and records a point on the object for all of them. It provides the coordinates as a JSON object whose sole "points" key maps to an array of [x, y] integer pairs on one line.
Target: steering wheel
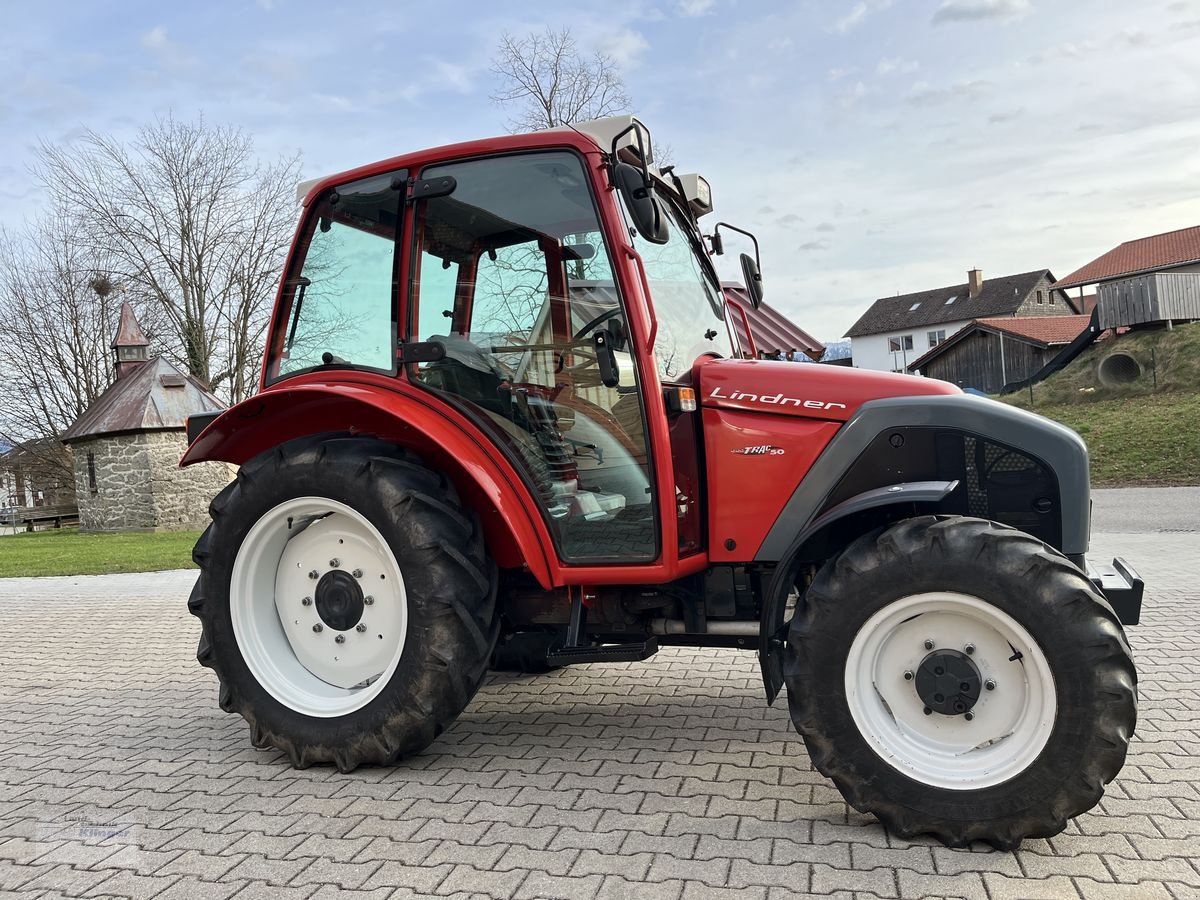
{"points": [[603, 317]]}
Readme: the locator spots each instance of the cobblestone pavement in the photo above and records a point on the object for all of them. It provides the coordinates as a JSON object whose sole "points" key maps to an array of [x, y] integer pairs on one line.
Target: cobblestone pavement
{"points": [[120, 777]]}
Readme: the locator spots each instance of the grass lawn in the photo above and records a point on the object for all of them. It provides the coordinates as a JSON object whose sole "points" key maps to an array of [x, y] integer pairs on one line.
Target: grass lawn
{"points": [[1152, 439], [68, 552]]}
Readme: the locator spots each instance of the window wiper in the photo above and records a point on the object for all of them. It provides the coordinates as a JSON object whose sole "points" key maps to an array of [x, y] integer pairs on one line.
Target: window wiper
{"points": [[303, 283]]}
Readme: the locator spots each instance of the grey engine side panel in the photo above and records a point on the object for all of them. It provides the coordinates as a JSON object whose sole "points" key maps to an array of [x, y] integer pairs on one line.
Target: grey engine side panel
{"points": [[1056, 445]]}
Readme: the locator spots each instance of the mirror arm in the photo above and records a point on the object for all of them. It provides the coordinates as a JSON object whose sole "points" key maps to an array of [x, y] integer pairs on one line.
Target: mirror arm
{"points": [[717, 237]]}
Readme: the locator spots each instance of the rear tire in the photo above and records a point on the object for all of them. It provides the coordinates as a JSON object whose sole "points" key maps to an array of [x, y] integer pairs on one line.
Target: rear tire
{"points": [[388, 643], [1041, 742]]}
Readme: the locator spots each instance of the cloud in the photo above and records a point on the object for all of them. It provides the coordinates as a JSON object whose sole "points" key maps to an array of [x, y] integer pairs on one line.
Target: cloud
{"points": [[787, 220], [814, 246], [169, 53], [981, 10], [155, 38], [826, 226], [695, 7], [924, 94], [848, 98], [837, 73], [999, 118], [897, 66], [858, 14], [456, 78], [624, 45]]}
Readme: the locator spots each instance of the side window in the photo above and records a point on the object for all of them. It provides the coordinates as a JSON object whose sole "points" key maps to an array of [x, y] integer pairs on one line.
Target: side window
{"points": [[438, 283], [340, 303]]}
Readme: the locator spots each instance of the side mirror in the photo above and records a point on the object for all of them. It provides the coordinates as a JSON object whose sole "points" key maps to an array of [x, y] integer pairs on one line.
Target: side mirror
{"points": [[641, 202], [753, 279]]}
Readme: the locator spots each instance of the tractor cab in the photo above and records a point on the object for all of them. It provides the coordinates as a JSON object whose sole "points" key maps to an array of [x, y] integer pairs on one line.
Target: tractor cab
{"points": [[529, 298]]}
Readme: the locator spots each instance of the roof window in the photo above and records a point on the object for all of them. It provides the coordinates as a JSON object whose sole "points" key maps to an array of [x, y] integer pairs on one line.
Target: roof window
{"points": [[915, 306]]}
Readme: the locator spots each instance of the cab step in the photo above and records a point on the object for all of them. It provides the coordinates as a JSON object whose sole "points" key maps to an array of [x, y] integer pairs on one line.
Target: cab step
{"points": [[601, 653]]}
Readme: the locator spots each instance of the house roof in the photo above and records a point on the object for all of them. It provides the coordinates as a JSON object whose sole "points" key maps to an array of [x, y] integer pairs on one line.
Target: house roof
{"points": [[156, 396], [129, 332], [998, 296], [1159, 251], [1040, 331], [771, 329]]}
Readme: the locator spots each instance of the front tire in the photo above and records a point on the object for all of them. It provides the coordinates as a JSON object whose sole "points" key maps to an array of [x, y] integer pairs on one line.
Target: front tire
{"points": [[957, 677], [347, 605]]}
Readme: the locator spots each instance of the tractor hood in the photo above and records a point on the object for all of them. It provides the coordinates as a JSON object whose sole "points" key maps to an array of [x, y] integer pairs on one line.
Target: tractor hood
{"points": [[804, 389]]}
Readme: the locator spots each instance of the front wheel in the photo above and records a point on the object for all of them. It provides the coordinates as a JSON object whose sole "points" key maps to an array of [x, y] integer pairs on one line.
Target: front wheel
{"points": [[347, 605], [956, 677]]}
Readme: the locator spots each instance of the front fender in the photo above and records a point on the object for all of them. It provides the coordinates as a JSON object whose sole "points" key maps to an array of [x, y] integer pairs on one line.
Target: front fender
{"points": [[444, 438]]}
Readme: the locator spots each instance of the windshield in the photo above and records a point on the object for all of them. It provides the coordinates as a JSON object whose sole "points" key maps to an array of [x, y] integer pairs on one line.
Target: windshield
{"points": [[687, 300]]}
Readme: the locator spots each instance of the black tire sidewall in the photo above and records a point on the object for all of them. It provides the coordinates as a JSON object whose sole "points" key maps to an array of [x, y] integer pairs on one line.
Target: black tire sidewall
{"points": [[307, 471], [819, 668]]}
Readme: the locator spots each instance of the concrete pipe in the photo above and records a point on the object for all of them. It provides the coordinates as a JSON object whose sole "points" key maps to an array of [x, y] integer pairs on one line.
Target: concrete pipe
{"points": [[1118, 368]]}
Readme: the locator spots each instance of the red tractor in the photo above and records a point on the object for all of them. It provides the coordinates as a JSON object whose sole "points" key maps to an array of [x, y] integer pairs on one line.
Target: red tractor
{"points": [[504, 422]]}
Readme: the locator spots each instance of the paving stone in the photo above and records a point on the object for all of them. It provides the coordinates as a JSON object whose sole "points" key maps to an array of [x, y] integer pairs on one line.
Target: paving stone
{"points": [[713, 872], [663, 779], [273, 871]]}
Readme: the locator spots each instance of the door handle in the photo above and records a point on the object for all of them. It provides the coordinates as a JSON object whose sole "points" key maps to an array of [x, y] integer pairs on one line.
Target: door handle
{"points": [[610, 375]]}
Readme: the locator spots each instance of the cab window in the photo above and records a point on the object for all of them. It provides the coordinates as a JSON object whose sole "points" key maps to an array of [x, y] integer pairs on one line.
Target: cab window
{"points": [[339, 298]]}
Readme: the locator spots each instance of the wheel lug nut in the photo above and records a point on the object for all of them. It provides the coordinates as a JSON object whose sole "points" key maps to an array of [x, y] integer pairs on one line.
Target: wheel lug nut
{"points": [[341, 639], [357, 573], [928, 644], [334, 563], [969, 716], [970, 648], [314, 574], [990, 685], [368, 600], [307, 601], [908, 676], [360, 627], [318, 628]]}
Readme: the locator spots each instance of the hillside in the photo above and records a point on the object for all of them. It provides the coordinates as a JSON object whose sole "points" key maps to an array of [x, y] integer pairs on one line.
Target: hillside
{"points": [[1144, 432]]}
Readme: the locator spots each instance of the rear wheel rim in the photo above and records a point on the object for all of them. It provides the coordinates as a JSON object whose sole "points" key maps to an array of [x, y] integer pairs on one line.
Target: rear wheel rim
{"points": [[996, 736], [318, 606]]}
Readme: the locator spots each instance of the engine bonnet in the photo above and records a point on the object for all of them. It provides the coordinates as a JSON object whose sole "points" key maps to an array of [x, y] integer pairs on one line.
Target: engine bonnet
{"points": [[804, 389]]}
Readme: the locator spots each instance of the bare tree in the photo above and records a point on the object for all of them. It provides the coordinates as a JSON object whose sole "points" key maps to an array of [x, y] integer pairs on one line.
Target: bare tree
{"points": [[191, 223], [58, 309], [547, 82]]}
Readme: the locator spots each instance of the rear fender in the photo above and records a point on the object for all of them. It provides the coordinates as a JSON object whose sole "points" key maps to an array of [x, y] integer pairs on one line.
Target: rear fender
{"points": [[444, 439]]}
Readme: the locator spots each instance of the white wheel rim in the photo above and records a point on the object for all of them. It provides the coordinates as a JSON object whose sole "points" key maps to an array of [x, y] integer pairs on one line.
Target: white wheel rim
{"points": [[291, 650], [1010, 724]]}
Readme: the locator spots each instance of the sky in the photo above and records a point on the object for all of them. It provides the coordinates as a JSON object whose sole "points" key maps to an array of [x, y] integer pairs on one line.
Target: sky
{"points": [[875, 146]]}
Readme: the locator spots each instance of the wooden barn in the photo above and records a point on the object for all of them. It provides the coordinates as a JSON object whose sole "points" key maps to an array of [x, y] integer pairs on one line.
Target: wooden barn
{"points": [[1150, 280], [989, 353]]}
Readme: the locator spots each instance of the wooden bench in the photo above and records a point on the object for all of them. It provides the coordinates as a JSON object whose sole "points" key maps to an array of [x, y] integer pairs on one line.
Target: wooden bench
{"points": [[32, 516]]}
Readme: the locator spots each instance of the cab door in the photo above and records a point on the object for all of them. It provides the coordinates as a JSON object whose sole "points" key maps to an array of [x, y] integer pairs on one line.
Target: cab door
{"points": [[511, 275]]}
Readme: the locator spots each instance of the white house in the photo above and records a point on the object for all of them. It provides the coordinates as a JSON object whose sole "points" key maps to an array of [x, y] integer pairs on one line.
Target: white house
{"points": [[895, 331]]}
